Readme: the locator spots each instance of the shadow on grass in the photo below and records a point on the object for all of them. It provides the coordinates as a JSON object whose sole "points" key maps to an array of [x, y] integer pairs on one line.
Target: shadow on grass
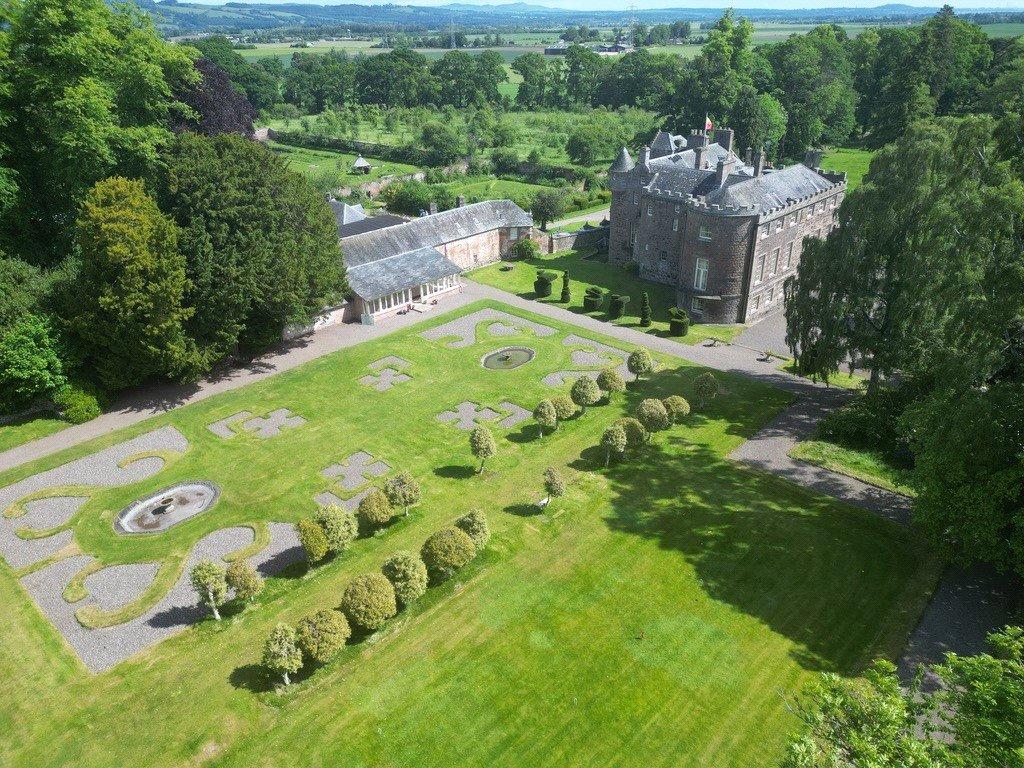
{"points": [[523, 510], [525, 434], [456, 472]]}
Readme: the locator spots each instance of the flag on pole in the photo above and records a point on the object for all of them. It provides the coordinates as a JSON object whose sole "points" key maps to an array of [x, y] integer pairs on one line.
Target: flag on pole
{"points": [[708, 125]]}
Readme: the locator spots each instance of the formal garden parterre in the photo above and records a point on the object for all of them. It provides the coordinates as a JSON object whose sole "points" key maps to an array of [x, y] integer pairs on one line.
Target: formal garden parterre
{"points": [[672, 592]]}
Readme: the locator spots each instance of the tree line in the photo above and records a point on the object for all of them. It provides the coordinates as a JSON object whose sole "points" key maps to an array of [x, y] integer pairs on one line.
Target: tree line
{"points": [[134, 246]]}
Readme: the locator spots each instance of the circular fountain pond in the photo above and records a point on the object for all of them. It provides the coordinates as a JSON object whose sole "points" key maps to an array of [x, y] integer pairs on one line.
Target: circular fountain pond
{"points": [[166, 508], [508, 358]]}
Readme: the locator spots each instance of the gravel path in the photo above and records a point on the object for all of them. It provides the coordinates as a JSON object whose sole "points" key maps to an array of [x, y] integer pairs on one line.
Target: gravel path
{"points": [[464, 328]]}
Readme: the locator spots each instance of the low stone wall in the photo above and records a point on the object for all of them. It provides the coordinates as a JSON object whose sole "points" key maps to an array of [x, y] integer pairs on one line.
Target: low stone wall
{"points": [[589, 237]]}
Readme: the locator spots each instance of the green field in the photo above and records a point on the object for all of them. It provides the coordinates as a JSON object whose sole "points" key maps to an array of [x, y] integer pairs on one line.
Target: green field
{"points": [[476, 188], [868, 466], [338, 165], [854, 162], [22, 431], [662, 613], [587, 272]]}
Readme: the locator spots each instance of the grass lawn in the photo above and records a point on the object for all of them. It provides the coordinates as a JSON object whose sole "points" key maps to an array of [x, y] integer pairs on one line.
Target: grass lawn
{"points": [[584, 273], [20, 432], [660, 613], [477, 188], [842, 379], [854, 162], [868, 466], [323, 161]]}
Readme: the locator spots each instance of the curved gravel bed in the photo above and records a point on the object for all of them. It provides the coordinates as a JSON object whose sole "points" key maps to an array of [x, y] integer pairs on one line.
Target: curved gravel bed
{"points": [[43, 514], [464, 328], [117, 585]]}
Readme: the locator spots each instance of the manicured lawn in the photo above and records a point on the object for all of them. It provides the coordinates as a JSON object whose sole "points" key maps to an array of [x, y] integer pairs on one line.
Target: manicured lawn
{"points": [[339, 164], [867, 466], [15, 434], [854, 162], [662, 613], [488, 188], [842, 379], [586, 272]]}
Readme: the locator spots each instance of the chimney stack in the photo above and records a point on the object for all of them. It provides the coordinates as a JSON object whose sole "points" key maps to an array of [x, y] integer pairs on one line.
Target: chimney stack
{"points": [[759, 161], [697, 139], [645, 158], [699, 157], [724, 168], [749, 159], [433, 207], [724, 137]]}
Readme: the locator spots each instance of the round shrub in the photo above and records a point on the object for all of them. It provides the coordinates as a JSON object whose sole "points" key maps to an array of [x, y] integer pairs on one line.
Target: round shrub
{"points": [[369, 601], [585, 392], [565, 408], [313, 540], [474, 523], [705, 387], [446, 551], [76, 405], [677, 407], [640, 363], [545, 416], [617, 306], [375, 509], [243, 580], [636, 433], [339, 525], [525, 248], [542, 285], [678, 322], [322, 634], [611, 381], [652, 414], [593, 299], [407, 574]]}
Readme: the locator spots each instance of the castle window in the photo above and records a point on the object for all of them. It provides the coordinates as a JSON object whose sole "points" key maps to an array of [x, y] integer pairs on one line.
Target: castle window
{"points": [[675, 225], [700, 275], [771, 297], [647, 246], [697, 305], [759, 269], [650, 209], [632, 236], [677, 209], [755, 304], [792, 220], [636, 198], [704, 233], [789, 255], [775, 260]]}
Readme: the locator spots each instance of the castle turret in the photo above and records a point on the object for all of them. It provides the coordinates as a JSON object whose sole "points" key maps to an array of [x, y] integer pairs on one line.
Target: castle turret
{"points": [[623, 163]]}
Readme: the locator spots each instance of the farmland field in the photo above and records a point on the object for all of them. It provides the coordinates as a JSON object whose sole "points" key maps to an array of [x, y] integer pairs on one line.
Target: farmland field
{"points": [[338, 165], [661, 613], [854, 162]]}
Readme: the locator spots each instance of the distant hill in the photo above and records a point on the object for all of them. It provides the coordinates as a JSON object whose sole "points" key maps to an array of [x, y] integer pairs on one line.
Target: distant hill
{"points": [[176, 18]]}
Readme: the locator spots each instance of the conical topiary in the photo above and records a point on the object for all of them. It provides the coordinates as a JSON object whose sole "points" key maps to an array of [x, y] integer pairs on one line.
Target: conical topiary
{"points": [[566, 296], [645, 311]]}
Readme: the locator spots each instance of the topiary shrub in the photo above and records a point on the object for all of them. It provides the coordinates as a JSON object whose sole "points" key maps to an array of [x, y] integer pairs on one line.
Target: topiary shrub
{"points": [[474, 523], [322, 634], [617, 306], [407, 574], [565, 408], [593, 298], [611, 381], [705, 388], [313, 540], [369, 601], [585, 392], [677, 407], [76, 405], [645, 311], [446, 551], [340, 526], [678, 322], [653, 415], [614, 442], [542, 285], [375, 509], [545, 416], [640, 363], [636, 433], [566, 296]]}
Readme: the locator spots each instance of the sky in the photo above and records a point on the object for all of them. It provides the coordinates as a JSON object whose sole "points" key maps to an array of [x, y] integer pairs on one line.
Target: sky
{"points": [[625, 5]]}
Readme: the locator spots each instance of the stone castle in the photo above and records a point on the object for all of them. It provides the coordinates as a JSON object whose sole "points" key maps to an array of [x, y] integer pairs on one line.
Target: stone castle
{"points": [[725, 232]]}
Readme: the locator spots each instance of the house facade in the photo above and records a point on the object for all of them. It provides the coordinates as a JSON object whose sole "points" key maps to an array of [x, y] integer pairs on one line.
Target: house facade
{"points": [[725, 232], [418, 262]]}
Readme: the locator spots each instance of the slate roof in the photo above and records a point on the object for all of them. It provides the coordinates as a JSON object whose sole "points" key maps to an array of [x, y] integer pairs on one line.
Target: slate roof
{"points": [[623, 162], [396, 273], [432, 231], [345, 213], [369, 224], [361, 163], [773, 189]]}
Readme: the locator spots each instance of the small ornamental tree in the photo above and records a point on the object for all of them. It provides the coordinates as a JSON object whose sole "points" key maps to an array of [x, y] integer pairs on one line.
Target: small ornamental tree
{"points": [[678, 321], [645, 311], [281, 652], [678, 408], [474, 523], [566, 296], [210, 583], [585, 392], [481, 442], [446, 551], [614, 442], [408, 575], [403, 491], [611, 381], [243, 580], [340, 526], [313, 540], [375, 509], [617, 306], [636, 433], [545, 416], [322, 634], [542, 285], [565, 408], [369, 601], [554, 485], [640, 363], [652, 414], [705, 388]]}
